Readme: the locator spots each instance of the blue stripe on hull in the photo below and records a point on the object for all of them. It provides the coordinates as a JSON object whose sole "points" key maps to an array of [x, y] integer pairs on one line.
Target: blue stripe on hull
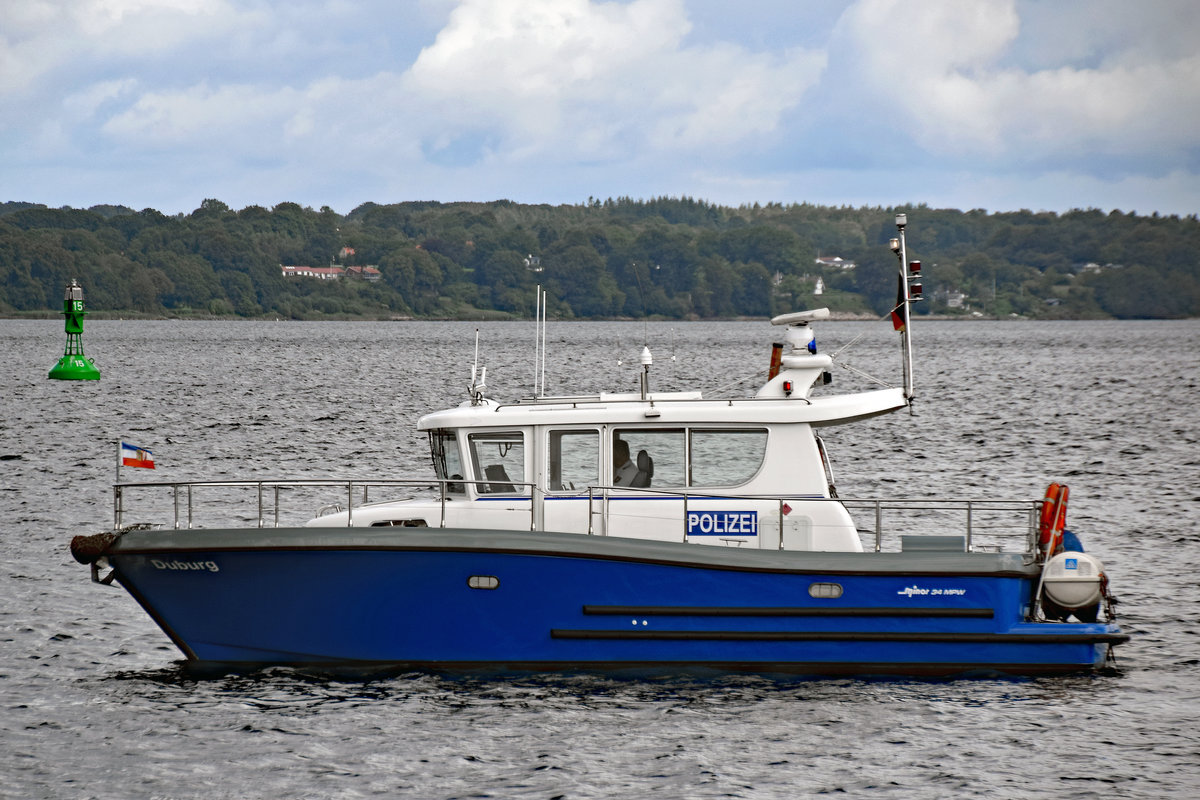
{"points": [[416, 607]]}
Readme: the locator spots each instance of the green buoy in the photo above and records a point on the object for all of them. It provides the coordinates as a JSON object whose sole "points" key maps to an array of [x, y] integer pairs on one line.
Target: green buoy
{"points": [[74, 365]]}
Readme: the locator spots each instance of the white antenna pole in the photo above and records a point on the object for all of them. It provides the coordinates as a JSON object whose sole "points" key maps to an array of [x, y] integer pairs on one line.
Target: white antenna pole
{"points": [[544, 303], [475, 367], [537, 315]]}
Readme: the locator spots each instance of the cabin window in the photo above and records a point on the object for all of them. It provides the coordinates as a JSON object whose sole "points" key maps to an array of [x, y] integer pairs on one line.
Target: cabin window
{"points": [[447, 463], [726, 457], [685, 457], [499, 460], [649, 457], [574, 460]]}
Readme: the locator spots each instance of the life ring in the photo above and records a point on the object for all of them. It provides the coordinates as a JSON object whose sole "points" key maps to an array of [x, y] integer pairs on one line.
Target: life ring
{"points": [[1053, 518]]}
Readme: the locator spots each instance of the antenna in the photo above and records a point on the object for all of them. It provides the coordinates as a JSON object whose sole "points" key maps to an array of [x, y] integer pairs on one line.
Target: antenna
{"points": [[539, 342], [674, 378], [476, 389], [537, 313], [475, 366], [544, 304]]}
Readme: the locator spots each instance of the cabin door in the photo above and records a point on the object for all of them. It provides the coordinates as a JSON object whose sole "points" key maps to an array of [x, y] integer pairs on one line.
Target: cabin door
{"points": [[570, 466]]}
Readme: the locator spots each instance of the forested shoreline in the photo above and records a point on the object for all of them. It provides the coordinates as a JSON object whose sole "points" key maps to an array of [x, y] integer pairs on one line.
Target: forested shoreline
{"points": [[670, 258]]}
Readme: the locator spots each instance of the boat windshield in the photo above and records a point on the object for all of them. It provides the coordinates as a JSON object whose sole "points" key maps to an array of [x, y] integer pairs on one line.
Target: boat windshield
{"points": [[447, 463]]}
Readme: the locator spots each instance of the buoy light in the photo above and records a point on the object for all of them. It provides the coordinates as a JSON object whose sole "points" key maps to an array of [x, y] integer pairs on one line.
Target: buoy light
{"points": [[74, 365]]}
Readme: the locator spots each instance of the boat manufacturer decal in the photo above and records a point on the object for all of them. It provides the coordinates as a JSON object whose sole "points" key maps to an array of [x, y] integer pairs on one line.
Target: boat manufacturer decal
{"points": [[919, 591], [722, 523], [176, 564]]}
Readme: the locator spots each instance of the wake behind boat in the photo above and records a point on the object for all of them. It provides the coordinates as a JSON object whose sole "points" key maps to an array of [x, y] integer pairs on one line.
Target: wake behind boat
{"points": [[645, 530]]}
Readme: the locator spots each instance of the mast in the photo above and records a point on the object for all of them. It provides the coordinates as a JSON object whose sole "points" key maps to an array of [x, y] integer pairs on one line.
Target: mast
{"points": [[905, 296]]}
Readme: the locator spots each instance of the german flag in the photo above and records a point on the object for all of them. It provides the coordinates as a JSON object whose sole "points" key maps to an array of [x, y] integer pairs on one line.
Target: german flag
{"points": [[900, 312]]}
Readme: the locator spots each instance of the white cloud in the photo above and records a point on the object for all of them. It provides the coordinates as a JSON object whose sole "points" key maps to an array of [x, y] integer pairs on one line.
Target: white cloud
{"points": [[198, 115], [987, 104], [947, 69], [598, 81], [40, 39]]}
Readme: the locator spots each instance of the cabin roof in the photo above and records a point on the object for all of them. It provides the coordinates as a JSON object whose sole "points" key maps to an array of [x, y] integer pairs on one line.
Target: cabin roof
{"points": [[657, 411]]}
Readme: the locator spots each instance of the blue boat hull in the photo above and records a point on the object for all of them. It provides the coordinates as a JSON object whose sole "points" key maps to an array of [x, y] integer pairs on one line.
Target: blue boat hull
{"points": [[505, 600]]}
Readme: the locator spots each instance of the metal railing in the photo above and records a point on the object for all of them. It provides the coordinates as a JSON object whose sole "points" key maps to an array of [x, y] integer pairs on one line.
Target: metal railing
{"points": [[1026, 511], [185, 492], [626, 492], [970, 511], [970, 518]]}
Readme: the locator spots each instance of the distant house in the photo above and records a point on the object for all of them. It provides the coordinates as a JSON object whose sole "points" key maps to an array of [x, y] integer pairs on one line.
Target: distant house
{"points": [[331, 273], [324, 273], [366, 273], [953, 298], [834, 261], [1094, 268]]}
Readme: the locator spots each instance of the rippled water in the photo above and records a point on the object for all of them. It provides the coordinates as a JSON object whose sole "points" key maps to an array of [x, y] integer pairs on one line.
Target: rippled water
{"points": [[95, 702]]}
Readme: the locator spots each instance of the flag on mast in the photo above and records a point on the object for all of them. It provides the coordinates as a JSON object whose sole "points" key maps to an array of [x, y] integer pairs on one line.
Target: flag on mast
{"points": [[132, 456], [900, 312]]}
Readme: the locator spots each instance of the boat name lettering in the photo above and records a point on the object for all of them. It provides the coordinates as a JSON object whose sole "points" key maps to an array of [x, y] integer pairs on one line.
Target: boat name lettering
{"points": [[917, 591], [715, 523], [211, 566]]}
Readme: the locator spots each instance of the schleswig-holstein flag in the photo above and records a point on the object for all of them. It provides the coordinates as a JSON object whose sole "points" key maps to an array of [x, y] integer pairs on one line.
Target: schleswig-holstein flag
{"points": [[136, 456]]}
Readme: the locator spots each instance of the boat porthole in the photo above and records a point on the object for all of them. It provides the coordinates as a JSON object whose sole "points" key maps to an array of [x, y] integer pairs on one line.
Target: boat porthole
{"points": [[483, 582], [825, 591]]}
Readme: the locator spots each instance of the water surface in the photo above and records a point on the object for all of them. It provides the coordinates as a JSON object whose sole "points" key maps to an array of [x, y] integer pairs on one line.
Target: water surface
{"points": [[95, 702]]}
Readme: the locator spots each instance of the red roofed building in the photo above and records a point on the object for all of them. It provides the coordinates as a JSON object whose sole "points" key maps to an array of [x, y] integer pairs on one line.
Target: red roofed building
{"points": [[366, 273], [324, 273]]}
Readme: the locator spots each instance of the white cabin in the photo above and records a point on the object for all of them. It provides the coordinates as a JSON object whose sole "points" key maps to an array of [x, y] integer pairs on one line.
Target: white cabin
{"points": [[747, 472]]}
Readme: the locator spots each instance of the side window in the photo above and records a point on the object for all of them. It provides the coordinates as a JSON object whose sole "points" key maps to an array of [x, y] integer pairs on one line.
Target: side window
{"points": [[726, 458], [446, 461], [574, 460], [499, 460], [648, 457]]}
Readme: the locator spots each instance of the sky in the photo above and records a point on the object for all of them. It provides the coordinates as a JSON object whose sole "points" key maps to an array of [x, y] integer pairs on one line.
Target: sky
{"points": [[1047, 105]]}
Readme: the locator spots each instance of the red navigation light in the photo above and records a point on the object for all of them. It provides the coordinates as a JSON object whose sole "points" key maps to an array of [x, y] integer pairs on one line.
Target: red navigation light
{"points": [[915, 292], [787, 388], [914, 269]]}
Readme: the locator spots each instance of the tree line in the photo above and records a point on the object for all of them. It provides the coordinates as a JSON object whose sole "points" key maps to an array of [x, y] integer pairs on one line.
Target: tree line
{"points": [[618, 258]]}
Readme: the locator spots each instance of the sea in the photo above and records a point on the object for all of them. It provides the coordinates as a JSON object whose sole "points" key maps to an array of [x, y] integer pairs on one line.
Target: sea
{"points": [[95, 702]]}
